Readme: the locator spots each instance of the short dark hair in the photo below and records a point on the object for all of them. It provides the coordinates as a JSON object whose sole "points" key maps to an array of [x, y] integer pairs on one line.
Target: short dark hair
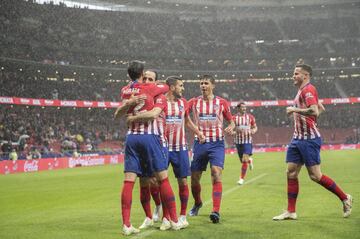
{"points": [[135, 69], [306, 68], [155, 72], [208, 77], [240, 103], [172, 80]]}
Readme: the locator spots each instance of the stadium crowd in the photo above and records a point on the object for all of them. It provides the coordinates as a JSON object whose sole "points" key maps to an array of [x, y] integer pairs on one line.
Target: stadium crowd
{"points": [[83, 56], [100, 38], [55, 131], [52, 131], [84, 87]]}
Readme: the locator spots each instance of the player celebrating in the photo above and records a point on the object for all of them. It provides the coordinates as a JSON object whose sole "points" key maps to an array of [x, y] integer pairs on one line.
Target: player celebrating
{"points": [[245, 127], [177, 116], [209, 111], [143, 150], [305, 145]]}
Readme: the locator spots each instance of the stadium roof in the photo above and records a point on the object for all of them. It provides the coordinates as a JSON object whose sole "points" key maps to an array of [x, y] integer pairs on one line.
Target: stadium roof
{"points": [[131, 5]]}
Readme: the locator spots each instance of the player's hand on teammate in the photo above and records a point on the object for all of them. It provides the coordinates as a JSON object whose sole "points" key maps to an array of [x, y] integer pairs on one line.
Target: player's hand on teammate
{"points": [[290, 110], [202, 138], [134, 100], [130, 119]]}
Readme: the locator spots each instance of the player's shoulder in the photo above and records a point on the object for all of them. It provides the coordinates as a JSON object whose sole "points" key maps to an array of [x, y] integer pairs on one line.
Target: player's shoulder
{"points": [[161, 97], [128, 90], [221, 99], [125, 88], [252, 117], [309, 87], [183, 100], [194, 99], [309, 91]]}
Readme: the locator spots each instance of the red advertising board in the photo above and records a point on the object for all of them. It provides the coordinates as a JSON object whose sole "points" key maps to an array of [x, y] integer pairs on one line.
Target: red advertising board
{"points": [[108, 104], [25, 166]]}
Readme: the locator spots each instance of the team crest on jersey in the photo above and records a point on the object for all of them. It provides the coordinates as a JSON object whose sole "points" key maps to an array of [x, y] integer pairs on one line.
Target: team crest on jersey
{"points": [[308, 95], [181, 108], [216, 107]]}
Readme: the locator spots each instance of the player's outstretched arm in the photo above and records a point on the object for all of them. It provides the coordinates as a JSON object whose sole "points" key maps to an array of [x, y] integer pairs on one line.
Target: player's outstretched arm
{"points": [[144, 116]]}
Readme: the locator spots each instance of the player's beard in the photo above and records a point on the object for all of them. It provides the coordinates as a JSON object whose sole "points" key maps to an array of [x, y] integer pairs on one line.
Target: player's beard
{"points": [[177, 95]]}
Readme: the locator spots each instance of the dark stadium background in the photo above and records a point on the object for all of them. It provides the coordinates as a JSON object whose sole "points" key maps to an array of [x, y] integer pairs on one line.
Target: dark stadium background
{"points": [[71, 51]]}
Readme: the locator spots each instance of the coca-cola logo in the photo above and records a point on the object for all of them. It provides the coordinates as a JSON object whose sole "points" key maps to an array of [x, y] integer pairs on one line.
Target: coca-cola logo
{"points": [[6, 100], [31, 166]]}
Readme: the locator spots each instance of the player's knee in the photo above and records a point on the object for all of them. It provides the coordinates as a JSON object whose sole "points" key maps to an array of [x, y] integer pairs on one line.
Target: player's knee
{"points": [[315, 177], [195, 179], [182, 181], [216, 174], [292, 174]]}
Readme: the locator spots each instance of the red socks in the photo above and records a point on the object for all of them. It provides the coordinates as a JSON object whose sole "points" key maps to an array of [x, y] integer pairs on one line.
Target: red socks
{"points": [[168, 198], [126, 199], [184, 197], [155, 193], [243, 170], [293, 190], [196, 192], [330, 185], [216, 196], [145, 200]]}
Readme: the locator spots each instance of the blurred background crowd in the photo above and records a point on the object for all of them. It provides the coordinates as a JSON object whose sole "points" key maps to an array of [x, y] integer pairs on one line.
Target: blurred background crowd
{"points": [[58, 52]]}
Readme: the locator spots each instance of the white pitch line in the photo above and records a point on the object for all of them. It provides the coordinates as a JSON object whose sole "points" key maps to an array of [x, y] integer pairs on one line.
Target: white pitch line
{"points": [[149, 232]]}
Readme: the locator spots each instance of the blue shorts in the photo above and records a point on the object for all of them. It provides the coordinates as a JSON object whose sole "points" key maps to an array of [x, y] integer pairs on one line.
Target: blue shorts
{"points": [[144, 155], [244, 149], [180, 163], [213, 152], [304, 152]]}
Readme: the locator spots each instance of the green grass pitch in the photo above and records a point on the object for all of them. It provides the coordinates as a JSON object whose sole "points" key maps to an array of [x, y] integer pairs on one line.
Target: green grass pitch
{"points": [[84, 203]]}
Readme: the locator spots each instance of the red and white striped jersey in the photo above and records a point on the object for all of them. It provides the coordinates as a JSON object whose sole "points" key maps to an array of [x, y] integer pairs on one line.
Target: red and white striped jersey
{"points": [[305, 126], [209, 116], [243, 125], [161, 102], [150, 90], [175, 124]]}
